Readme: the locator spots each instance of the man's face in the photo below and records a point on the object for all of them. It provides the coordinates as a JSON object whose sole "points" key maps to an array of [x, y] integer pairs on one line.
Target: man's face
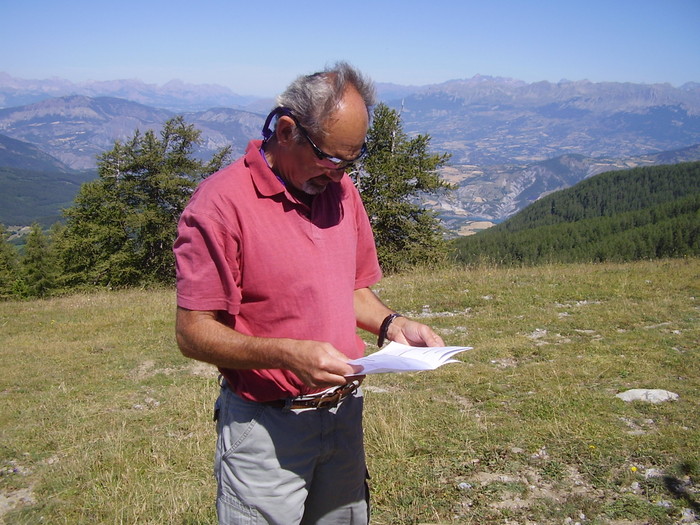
{"points": [[345, 136]]}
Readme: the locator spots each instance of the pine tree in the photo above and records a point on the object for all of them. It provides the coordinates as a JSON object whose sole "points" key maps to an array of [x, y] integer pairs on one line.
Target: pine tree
{"points": [[8, 265], [38, 267], [392, 178], [121, 229]]}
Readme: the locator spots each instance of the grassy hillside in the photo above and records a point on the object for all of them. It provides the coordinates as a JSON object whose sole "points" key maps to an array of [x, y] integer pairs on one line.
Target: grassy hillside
{"points": [[617, 216], [103, 420]]}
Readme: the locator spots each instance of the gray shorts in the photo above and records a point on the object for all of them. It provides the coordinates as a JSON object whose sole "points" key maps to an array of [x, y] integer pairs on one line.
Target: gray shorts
{"points": [[289, 467]]}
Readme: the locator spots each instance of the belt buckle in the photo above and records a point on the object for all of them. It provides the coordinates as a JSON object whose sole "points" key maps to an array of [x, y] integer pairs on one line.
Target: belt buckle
{"points": [[329, 401], [336, 397]]}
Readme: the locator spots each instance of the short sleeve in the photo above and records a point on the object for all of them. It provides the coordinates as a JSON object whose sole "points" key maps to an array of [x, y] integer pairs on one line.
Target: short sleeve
{"points": [[206, 263]]}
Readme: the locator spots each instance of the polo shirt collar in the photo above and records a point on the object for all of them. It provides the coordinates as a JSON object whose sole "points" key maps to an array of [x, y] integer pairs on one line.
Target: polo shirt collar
{"points": [[265, 180]]}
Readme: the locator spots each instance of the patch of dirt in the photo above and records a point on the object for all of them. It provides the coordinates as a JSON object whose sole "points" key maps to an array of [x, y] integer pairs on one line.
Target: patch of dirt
{"points": [[505, 362], [197, 368], [148, 369], [535, 487], [517, 492], [10, 500]]}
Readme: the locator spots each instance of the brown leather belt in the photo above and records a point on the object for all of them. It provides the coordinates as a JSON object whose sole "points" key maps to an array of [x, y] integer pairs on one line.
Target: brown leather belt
{"points": [[327, 399]]}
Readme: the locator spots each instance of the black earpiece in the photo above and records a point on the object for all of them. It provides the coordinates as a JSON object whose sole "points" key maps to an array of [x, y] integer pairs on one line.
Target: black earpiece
{"points": [[277, 112]]}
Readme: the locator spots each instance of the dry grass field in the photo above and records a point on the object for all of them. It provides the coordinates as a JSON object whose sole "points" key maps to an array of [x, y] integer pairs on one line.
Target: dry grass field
{"points": [[103, 421]]}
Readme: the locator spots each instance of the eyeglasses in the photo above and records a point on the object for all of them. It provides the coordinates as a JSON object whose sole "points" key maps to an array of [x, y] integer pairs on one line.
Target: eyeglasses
{"points": [[335, 163]]}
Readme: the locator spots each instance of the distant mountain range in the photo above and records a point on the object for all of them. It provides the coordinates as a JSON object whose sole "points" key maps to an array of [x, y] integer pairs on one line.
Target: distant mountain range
{"points": [[175, 95], [501, 121], [76, 129], [511, 142]]}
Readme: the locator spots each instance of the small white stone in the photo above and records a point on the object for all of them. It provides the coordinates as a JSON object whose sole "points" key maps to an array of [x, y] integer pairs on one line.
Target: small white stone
{"points": [[649, 395], [653, 473]]}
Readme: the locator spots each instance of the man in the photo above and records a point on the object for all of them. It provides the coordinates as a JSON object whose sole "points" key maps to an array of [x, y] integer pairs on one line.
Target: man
{"points": [[275, 257]]}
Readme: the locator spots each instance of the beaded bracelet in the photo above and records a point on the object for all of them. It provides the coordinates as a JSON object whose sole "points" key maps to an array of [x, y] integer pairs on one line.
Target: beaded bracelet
{"points": [[385, 328]]}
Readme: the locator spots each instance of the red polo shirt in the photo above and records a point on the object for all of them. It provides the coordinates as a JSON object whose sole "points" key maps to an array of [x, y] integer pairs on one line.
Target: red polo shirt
{"points": [[277, 268]]}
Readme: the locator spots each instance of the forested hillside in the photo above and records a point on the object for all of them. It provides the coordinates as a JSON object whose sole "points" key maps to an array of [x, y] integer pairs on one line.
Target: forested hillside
{"points": [[29, 196], [641, 213]]}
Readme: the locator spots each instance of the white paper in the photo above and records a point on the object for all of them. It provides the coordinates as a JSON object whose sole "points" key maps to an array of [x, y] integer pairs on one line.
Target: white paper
{"points": [[396, 357]]}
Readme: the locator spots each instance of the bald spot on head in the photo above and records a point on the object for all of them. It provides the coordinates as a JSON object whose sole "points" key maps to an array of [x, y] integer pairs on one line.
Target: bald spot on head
{"points": [[346, 128]]}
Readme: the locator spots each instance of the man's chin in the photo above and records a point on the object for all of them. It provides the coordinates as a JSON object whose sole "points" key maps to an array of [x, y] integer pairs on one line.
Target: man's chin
{"points": [[311, 188]]}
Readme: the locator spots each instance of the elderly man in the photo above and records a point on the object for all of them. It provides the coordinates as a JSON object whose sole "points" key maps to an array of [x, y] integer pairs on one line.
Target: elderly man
{"points": [[275, 257]]}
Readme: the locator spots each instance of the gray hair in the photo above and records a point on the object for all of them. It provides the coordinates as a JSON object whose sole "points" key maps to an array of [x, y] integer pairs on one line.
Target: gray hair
{"points": [[313, 98]]}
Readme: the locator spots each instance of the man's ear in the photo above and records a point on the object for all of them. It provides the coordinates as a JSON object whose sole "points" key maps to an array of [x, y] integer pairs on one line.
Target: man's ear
{"points": [[284, 129]]}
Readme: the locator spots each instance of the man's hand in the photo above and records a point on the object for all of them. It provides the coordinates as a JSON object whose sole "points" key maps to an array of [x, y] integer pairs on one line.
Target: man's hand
{"points": [[409, 332], [317, 364]]}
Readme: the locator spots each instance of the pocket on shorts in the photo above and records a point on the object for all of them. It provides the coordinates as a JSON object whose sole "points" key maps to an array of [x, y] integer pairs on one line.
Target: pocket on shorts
{"points": [[237, 420], [232, 511]]}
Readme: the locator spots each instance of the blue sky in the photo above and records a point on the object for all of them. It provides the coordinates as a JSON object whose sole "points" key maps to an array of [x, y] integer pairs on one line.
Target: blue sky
{"points": [[256, 48]]}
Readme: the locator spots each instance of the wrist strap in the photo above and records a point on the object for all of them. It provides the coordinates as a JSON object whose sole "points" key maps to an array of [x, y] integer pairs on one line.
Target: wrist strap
{"points": [[385, 328]]}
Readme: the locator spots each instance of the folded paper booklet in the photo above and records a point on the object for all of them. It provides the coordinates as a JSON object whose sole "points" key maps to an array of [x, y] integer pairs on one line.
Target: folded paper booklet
{"points": [[396, 357]]}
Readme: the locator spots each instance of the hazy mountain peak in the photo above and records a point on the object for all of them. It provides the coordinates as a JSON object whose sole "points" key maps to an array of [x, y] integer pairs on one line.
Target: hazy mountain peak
{"points": [[175, 94]]}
